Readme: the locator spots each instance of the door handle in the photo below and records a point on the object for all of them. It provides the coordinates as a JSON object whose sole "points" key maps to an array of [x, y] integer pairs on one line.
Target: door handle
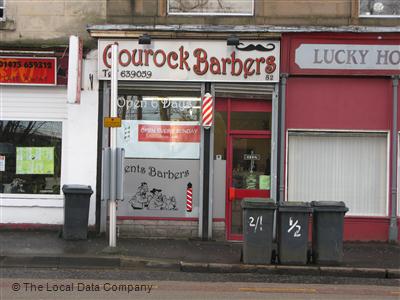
{"points": [[232, 193]]}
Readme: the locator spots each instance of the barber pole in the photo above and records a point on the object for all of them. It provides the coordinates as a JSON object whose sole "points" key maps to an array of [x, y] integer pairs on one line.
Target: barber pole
{"points": [[207, 111], [189, 193]]}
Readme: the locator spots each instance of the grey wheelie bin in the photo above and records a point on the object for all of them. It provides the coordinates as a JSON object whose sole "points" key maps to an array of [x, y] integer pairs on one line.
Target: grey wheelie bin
{"points": [[328, 223], [258, 219], [76, 211], [293, 232]]}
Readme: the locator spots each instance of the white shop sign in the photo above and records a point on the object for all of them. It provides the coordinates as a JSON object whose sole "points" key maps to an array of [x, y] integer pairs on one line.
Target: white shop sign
{"points": [[348, 56], [192, 60]]}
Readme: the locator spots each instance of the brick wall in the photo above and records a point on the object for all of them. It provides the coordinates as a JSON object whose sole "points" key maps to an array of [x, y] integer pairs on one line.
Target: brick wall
{"points": [[165, 229]]}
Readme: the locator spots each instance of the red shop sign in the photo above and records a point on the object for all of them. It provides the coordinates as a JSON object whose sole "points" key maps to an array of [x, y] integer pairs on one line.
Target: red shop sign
{"points": [[28, 70], [169, 133]]}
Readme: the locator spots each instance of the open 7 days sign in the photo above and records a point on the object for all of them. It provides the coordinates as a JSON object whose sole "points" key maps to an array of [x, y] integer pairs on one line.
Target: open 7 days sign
{"points": [[192, 60]]}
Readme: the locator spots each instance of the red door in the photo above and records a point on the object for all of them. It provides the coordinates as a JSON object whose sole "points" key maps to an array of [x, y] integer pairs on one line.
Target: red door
{"points": [[242, 136], [248, 170]]}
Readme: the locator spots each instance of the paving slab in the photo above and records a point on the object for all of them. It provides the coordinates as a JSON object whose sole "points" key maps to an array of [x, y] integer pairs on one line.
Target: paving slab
{"points": [[47, 249]]}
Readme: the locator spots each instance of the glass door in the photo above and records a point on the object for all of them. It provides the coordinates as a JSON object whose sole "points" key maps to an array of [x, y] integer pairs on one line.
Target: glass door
{"points": [[248, 176]]}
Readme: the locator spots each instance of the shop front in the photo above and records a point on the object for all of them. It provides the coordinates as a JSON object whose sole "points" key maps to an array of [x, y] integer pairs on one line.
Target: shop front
{"points": [[181, 178], [41, 137], [341, 95]]}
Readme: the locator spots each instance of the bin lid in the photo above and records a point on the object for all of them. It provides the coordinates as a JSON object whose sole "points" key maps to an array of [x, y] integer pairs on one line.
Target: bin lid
{"points": [[77, 189], [335, 206], [260, 203], [295, 206]]}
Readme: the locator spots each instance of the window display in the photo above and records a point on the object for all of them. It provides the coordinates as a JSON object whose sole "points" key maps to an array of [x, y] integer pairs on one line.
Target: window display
{"points": [[159, 127], [30, 153]]}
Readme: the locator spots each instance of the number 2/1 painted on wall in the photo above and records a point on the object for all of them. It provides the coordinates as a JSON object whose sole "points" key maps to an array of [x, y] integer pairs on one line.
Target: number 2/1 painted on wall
{"points": [[257, 225]]}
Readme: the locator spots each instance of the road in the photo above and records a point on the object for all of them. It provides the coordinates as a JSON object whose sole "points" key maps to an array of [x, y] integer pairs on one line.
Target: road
{"points": [[128, 284]]}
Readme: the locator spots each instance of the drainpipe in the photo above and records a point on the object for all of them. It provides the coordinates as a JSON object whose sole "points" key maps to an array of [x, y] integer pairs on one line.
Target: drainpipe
{"points": [[282, 127], [393, 230]]}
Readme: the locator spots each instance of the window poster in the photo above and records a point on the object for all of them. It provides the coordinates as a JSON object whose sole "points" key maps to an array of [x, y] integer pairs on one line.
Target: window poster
{"points": [[159, 187], [35, 160], [2, 163], [265, 182], [160, 139]]}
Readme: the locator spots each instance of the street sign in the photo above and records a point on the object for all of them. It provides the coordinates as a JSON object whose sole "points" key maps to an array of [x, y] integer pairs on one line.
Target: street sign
{"points": [[110, 122]]}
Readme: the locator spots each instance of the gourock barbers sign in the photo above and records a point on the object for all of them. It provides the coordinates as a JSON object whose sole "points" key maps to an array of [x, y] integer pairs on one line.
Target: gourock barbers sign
{"points": [[192, 60]]}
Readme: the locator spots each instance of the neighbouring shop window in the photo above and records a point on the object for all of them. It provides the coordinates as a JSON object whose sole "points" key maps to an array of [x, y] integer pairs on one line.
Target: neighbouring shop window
{"points": [[379, 8], [159, 127], [211, 7], [332, 166], [30, 157], [2, 10]]}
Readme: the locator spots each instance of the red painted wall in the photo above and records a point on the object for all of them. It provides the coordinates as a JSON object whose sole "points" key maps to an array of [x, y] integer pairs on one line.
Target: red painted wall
{"points": [[339, 103]]}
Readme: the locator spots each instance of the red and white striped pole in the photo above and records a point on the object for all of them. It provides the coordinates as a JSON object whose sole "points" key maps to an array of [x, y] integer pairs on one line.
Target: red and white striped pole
{"points": [[207, 111], [189, 195]]}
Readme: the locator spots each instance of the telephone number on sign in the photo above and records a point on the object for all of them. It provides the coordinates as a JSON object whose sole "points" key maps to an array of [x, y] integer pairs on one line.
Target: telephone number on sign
{"points": [[129, 74], [136, 74], [18, 64]]}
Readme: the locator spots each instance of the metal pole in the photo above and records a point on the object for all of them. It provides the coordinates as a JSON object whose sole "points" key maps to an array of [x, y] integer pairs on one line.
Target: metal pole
{"points": [[211, 175], [282, 128], [274, 143], [206, 174], [201, 181], [393, 230], [113, 146]]}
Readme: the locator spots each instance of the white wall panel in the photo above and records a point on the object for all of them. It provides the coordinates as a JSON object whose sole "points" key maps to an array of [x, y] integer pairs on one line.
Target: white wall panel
{"points": [[31, 102], [339, 167]]}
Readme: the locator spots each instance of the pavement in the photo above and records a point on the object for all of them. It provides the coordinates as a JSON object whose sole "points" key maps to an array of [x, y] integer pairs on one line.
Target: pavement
{"points": [[46, 249]]}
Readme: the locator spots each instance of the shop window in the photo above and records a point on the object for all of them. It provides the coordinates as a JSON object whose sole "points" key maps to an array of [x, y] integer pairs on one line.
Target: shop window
{"points": [[220, 130], [211, 7], [2, 10], [251, 120], [379, 8], [159, 127], [332, 166], [30, 157]]}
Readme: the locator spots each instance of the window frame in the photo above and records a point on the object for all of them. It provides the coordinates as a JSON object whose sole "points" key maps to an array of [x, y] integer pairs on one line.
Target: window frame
{"points": [[3, 8], [210, 14], [16, 196], [374, 16], [309, 131]]}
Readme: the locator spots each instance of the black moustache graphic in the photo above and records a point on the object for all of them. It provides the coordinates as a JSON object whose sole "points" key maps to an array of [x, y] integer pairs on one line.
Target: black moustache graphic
{"points": [[257, 47]]}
